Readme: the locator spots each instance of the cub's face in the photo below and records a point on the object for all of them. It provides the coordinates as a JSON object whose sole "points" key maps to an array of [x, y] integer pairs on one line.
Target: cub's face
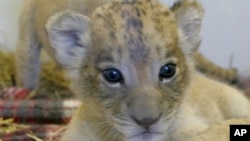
{"points": [[135, 67]]}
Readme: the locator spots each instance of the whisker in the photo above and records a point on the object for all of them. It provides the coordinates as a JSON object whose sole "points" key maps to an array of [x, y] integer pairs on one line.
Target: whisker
{"points": [[122, 120]]}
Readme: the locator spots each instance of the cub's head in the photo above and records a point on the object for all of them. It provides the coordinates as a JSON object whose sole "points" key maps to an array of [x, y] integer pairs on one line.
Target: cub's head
{"points": [[130, 60]]}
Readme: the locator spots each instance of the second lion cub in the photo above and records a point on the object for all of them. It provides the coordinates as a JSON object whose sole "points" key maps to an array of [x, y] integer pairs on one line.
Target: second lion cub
{"points": [[134, 74]]}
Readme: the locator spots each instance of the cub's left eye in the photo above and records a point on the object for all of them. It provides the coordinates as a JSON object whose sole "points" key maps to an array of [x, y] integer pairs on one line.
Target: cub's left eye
{"points": [[112, 75], [167, 71]]}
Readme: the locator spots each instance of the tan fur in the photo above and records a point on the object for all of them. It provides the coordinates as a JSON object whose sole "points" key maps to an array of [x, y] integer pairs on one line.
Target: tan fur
{"points": [[138, 37]]}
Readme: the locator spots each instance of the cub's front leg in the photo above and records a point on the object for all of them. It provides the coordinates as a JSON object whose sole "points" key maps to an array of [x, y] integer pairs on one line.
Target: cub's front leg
{"points": [[186, 126], [220, 131]]}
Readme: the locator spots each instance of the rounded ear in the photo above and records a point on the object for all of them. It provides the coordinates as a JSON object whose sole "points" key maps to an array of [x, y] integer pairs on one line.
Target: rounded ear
{"points": [[189, 15], [69, 36]]}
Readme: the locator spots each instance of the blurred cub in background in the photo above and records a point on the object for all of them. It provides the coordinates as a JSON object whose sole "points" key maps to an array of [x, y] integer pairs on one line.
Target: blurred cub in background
{"points": [[33, 37]]}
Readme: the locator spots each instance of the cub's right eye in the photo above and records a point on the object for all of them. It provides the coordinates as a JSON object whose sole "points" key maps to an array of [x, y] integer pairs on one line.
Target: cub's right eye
{"points": [[112, 75]]}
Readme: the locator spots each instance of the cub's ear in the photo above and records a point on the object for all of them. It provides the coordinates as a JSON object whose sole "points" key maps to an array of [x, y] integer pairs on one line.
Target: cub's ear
{"points": [[69, 36], [189, 14]]}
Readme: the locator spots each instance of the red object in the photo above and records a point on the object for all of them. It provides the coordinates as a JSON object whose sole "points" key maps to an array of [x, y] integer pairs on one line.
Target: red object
{"points": [[39, 111], [14, 93]]}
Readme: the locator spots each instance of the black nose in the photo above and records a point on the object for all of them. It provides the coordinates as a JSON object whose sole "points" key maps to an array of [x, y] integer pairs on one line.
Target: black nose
{"points": [[146, 121]]}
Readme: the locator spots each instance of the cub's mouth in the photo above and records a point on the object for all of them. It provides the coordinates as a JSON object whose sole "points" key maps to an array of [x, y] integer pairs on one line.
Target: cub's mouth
{"points": [[146, 135]]}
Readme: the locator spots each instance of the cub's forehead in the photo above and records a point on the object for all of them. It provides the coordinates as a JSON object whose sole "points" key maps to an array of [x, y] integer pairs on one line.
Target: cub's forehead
{"points": [[136, 27]]}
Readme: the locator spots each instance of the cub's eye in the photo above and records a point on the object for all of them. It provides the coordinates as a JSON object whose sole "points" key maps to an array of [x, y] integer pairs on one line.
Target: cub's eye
{"points": [[167, 71], [112, 75]]}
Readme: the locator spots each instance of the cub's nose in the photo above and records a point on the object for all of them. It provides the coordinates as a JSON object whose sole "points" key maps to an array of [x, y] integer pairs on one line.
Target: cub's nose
{"points": [[146, 121]]}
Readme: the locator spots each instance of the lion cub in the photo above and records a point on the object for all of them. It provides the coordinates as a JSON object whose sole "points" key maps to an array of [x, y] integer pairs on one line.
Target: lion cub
{"points": [[131, 65]]}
